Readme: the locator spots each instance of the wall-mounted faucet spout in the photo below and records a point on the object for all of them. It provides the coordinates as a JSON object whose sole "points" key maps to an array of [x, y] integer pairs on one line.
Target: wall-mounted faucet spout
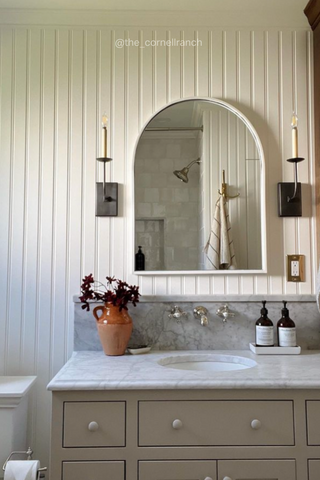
{"points": [[201, 313]]}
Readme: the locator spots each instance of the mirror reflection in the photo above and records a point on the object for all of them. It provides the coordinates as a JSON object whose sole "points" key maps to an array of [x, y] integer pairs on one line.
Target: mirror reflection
{"points": [[197, 191]]}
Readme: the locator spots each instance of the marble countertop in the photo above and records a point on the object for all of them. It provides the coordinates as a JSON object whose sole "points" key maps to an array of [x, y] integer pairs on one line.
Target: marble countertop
{"points": [[95, 371]]}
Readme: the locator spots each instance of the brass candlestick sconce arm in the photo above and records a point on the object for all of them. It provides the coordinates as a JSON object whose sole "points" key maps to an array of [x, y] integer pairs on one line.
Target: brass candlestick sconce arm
{"points": [[289, 194], [106, 194], [224, 188]]}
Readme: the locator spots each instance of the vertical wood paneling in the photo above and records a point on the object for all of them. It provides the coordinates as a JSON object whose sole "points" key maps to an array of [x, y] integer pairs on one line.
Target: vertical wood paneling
{"points": [[30, 286], [118, 165], [274, 160], [17, 208], [54, 86], [104, 46], [89, 118], [6, 180], [60, 201], [75, 141], [45, 235]]}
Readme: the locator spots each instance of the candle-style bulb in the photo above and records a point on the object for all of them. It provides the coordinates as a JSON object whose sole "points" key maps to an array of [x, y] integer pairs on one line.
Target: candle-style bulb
{"points": [[294, 120], [294, 135], [104, 121]]}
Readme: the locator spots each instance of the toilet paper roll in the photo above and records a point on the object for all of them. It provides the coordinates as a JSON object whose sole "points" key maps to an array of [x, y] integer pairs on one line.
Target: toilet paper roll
{"points": [[22, 470]]}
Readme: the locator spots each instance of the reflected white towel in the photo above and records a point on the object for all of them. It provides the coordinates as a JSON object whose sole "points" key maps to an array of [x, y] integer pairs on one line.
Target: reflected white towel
{"points": [[22, 470], [219, 248]]}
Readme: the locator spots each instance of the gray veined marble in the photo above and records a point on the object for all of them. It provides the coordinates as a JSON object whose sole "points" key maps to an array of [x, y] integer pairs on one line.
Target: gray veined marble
{"points": [[96, 371], [153, 326]]}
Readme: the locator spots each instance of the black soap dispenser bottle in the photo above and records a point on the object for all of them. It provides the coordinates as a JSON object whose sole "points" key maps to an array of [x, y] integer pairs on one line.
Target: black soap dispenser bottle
{"points": [[140, 259], [286, 329], [264, 329]]}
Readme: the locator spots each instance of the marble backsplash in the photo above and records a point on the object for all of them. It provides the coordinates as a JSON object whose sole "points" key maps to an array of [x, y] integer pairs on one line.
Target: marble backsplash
{"points": [[151, 325]]}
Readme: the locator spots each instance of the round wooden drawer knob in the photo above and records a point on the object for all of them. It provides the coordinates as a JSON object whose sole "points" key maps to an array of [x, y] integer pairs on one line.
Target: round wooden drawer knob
{"points": [[177, 424], [93, 426], [255, 424]]}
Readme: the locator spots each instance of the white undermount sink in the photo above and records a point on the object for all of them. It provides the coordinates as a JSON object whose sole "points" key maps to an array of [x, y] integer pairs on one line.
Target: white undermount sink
{"points": [[207, 362]]}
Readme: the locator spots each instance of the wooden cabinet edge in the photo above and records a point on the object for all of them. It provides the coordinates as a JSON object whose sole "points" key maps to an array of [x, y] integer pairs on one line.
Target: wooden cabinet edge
{"points": [[312, 12]]}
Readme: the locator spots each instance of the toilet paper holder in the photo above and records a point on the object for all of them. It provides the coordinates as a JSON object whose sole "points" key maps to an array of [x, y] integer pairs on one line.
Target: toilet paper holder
{"points": [[29, 454]]}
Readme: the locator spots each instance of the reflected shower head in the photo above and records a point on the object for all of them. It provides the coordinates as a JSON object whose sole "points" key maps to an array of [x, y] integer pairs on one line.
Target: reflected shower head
{"points": [[183, 173]]}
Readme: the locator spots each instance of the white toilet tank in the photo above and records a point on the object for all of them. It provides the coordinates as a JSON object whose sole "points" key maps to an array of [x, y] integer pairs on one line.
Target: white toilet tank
{"points": [[13, 415]]}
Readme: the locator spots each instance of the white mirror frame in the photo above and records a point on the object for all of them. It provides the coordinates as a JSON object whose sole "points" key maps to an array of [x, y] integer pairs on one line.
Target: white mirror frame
{"points": [[262, 206]]}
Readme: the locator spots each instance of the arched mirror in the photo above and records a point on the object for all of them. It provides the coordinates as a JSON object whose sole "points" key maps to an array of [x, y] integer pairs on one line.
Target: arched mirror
{"points": [[199, 191]]}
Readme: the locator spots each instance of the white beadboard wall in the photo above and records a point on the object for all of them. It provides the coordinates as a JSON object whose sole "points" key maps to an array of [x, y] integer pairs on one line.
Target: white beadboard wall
{"points": [[55, 83]]}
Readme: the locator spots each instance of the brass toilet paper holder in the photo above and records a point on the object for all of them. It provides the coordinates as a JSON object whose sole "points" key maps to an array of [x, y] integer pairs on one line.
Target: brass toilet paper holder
{"points": [[29, 454]]}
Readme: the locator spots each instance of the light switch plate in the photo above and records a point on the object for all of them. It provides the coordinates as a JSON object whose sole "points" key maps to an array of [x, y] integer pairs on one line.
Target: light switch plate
{"points": [[296, 268]]}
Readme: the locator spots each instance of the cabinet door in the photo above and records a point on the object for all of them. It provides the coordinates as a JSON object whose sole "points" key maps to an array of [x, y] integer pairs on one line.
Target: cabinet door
{"points": [[313, 422], [96, 470], [178, 470], [256, 470], [314, 469]]}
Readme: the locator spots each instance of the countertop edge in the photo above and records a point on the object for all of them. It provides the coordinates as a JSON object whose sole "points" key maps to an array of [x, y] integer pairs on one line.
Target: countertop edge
{"points": [[233, 386]]}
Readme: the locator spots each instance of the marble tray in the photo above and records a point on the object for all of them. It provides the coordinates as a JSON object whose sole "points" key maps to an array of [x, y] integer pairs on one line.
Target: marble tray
{"points": [[274, 350]]}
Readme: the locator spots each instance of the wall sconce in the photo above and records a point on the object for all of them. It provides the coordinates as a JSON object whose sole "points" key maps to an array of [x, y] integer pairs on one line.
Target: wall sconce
{"points": [[289, 194], [106, 192]]}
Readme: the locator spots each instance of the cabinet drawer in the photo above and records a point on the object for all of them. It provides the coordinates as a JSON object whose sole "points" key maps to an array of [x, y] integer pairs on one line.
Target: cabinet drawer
{"points": [[257, 469], [177, 469], [313, 422], [222, 423], [96, 470], [94, 424]]}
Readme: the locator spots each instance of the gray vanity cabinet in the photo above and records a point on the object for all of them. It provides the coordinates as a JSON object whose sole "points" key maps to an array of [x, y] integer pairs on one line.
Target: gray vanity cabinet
{"points": [[186, 435]]}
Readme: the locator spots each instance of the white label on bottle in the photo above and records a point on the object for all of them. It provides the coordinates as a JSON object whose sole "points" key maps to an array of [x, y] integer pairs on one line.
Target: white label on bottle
{"points": [[287, 337], [264, 336]]}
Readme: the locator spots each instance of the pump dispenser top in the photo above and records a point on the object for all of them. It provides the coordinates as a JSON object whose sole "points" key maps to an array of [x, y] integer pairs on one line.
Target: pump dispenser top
{"points": [[285, 311], [286, 329], [264, 329], [264, 310]]}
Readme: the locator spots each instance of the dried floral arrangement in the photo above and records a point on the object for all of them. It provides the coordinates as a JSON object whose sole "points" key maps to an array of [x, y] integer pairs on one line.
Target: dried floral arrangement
{"points": [[116, 292]]}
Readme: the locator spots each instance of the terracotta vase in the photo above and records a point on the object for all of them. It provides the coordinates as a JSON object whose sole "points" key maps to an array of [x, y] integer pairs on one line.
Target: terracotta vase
{"points": [[114, 328]]}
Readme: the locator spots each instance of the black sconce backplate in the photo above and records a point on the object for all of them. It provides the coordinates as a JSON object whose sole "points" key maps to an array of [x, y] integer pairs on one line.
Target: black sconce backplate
{"points": [[107, 207], [292, 207]]}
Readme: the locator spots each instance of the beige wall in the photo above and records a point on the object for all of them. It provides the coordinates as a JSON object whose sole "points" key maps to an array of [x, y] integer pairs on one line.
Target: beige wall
{"points": [[55, 83]]}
